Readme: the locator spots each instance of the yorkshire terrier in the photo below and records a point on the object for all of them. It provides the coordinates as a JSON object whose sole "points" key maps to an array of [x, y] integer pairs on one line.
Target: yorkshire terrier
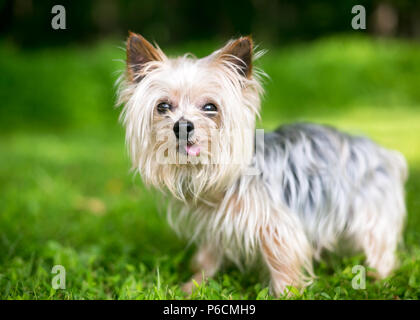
{"points": [[281, 199]]}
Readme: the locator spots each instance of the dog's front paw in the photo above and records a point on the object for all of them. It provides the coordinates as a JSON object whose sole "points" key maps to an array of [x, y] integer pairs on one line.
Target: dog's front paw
{"points": [[189, 287], [193, 284]]}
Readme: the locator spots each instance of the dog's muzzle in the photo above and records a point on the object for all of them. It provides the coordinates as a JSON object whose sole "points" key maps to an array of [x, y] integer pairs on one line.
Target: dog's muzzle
{"points": [[183, 129]]}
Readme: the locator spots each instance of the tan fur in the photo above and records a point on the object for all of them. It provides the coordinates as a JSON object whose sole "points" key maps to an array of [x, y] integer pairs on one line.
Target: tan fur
{"points": [[311, 185]]}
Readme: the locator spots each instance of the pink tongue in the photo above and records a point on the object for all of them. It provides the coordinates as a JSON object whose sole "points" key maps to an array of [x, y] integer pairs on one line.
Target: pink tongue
{"points": [[193, 150]]}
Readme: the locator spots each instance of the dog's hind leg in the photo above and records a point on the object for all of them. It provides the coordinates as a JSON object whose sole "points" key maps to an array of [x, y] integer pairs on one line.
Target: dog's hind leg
{"points": [[378, 238], [377, 223]]}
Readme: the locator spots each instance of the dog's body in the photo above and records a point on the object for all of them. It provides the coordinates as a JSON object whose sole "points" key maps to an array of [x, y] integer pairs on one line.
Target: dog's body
{"points": [[312, 186]]}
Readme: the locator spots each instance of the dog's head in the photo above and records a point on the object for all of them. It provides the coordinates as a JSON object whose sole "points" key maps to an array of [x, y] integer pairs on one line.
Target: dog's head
{"points": [[190, 122]]}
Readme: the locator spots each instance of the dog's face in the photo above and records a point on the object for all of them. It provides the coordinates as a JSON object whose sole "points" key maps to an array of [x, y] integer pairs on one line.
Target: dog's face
{"points": [[189, 122]]}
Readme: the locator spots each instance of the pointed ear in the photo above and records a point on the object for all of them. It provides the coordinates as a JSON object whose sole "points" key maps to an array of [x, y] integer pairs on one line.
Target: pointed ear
{"points": [[239, 52], [139, 52]]}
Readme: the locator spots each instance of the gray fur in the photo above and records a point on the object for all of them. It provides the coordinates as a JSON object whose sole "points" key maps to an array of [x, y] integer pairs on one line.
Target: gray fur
{"points": [[321, 175]]}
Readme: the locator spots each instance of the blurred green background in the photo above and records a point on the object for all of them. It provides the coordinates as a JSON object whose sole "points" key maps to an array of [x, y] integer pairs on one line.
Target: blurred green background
{"points": [[66, 194]]}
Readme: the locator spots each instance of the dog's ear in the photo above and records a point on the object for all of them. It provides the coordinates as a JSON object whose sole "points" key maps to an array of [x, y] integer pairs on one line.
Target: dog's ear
{"points": [[239, 52], [139, 53]]}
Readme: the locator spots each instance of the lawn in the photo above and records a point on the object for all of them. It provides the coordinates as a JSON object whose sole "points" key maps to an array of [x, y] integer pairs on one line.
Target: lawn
{"points": [[67, 196]]}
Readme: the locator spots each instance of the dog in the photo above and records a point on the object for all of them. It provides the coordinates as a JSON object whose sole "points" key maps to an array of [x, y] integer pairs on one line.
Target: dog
{"points": [[281, 199]]}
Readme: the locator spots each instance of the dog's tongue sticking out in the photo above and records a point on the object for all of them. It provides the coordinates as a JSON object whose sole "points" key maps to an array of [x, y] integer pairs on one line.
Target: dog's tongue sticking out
{"points": [[193, 150]]}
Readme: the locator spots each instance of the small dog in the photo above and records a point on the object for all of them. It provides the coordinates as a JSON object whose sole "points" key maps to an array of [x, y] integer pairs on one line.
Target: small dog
{"points": [[282, 199]]}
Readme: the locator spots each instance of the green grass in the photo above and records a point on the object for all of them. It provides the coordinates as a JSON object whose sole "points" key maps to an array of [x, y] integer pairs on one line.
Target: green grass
{"points": [[67, 196]]}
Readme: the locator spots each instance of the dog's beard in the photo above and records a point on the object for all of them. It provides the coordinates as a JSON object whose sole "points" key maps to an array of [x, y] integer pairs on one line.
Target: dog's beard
{"points": [[205, 164], [175, 164]]}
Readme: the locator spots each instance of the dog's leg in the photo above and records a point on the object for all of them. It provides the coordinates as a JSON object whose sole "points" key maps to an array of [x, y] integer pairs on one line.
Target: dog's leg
{"points": [[380, 254], [377, 230], [205, 263], [379, 240], [287, 257]]}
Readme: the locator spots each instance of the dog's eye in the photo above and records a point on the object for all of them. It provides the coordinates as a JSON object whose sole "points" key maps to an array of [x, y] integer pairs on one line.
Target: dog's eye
{"points": [[209, 107], [163, 107]]}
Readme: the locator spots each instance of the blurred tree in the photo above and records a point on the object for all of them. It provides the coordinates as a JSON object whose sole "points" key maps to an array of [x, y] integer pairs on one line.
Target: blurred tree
{"points": [[28, 22]]}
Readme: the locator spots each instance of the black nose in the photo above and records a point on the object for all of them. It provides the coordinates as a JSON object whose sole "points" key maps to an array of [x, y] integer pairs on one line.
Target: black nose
{"points": [[184, 127]]}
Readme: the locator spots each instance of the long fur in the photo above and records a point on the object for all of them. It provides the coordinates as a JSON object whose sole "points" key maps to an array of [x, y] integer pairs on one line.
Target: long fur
{"points": [[315, 185]]}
